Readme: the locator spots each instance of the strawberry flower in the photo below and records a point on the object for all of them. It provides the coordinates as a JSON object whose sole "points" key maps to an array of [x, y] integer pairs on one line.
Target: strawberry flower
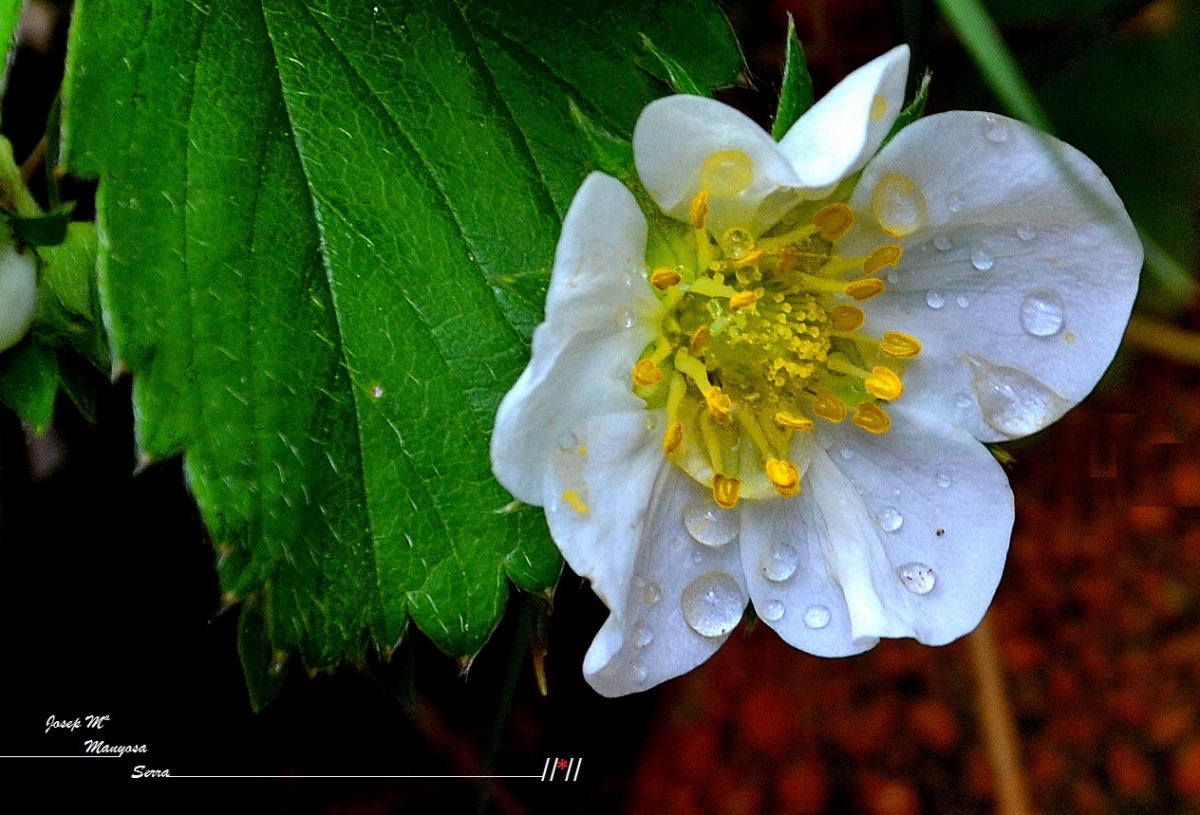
{"points": [[774, 385]]}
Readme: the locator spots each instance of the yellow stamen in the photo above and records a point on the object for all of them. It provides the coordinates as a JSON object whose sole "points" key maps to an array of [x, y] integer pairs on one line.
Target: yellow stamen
{"points": [[870, 417], [664, 278], [847, 318], [646, 373], [784, 476], [834, 221], [675, 393], [725, 491], [753, 256], [750, 424], [900, 346], [699, 339], [887, 255], [699, 209], [693, 369], [572, 498], [790, 421], [864, 289], [712, 442], [711, 288], [788, 259], [673, 438], [720, 404], [742, 299], [828, 405], [884, 383], [787, 239]]}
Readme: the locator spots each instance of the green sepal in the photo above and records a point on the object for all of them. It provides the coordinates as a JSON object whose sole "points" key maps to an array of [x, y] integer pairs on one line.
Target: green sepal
{"points": [[264, 666], [676, 75], [29, 382], [42, 230], [796, 95], [608, 153], [914, 110]]}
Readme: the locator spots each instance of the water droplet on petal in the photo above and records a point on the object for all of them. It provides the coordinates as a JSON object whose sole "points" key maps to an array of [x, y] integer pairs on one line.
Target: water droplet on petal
{"points": [[996, 129], [651, 593], [982, 260], [898, 205], [934, 299], [1042, 313], [709, 524], [1026, 232], [625, 318], [773, 611], [942, 243], [893, 277], [917, 578], [943, 480], [846, 453], [889, 519], [643, 637], [736, 243], [824, 439], [697, 557], [816, 617], [640, 673], [962, 401], [779, 562], [713, 604], [955, 203], [1013, 402], [963, 301]]}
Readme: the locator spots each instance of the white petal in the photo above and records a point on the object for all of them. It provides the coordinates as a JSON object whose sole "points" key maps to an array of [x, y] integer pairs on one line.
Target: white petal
{"points": [[18, 294], [673, 138], [647, 638], [1029, 257], [923, 495], [598, 319], [837, 136]]}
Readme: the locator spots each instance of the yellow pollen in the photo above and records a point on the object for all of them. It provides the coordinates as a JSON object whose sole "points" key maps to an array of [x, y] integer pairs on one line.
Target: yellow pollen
{"points": [[790, 421], [870, 417], [646, 373], [899, 346], [788, 259], [673, 438], [572, 498], [720, 404], [727, 172], [864, 289], [699, 209], [725, 491], [784, 476], [878, 108], [663, 279], [742, 299], [753, 256], [884, 383], [847, 318], [887, 255], [828, 405], [834, 221]]}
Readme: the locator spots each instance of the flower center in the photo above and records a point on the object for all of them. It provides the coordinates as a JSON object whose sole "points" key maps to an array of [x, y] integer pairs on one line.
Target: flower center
{"points": [[758, 338]]}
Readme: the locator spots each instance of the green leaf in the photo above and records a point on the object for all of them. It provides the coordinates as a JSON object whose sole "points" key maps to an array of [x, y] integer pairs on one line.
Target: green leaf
{"points": [[796, 95], [677, 76], [29, 382], [10, 15], [608, 153], [326, 234], [42, 230]]}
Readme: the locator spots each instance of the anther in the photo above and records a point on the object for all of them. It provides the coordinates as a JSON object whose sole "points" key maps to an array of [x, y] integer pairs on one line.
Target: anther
{"points": [[646, 373], [699, 210], [788, 259], [884, 383], [864, 289], [664, 278], [673, 438], [572, 498], [887, 255], [790, 421], [784, 476], [725, 491], [828, 405], [870, 417], [900, 346], [720, 404], [753, 256], [834, 221], [699, 339], [847, 318], [742, 299]]}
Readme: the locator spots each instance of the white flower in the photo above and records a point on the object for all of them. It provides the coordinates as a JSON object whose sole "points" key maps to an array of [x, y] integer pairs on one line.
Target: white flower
{"points": [[18, 294], [778, 393]]}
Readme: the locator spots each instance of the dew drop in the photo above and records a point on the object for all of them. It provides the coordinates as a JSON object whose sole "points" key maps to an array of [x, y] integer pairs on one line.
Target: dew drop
{"points": [[898, 205], [816, 617], [643, 637], [893, 277], [942, 243], [955, 203], [963, 301], [726, 173], [713, 604], [943, 480], [697, 557], [773, 611], [1042, 313], [651, 593], [917, 577], [1026, 232], [640, 673], [889, 519], [1013, 402], [824, 439], [709, 524], [962, 401], [779, 562], [625, 318], [377, 391], [995, 129], [982, 260], [934, 299], [736, 243], [846, 453]]}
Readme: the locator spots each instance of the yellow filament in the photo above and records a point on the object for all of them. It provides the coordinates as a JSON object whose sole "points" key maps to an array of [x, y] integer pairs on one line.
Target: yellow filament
{"points": [[693, 369], [711, 288], [663, 279], [790, 421], [887, 255], [870, 417], [750, 424], [673, 438], [646, 373], [864, 289], [847, 318], [725, 491], [712, 444], [675, 393], [787, 239], [699, 209], [834, 221], [572, 498], [884, 383], [742, 299], [828, 405], [784, 476], [900, 346]]}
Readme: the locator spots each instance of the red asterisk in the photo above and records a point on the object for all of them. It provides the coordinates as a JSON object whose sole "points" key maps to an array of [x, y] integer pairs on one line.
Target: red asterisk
{"points": [[562, 764]]}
